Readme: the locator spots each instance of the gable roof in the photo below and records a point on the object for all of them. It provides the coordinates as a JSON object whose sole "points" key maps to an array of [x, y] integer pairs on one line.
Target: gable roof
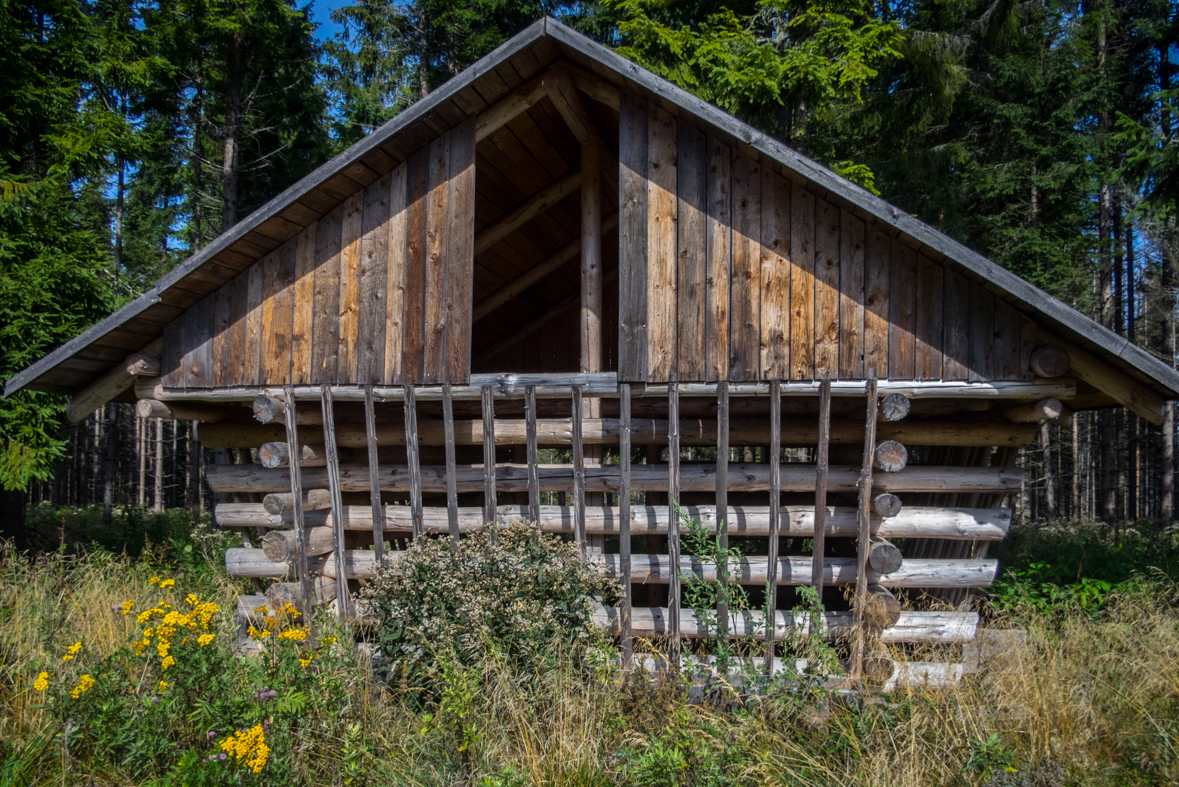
{"points": [[85, 358]]}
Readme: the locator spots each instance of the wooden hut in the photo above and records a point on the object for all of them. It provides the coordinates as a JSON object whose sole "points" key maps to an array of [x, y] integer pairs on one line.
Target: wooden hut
{"points": [[558, 254]]}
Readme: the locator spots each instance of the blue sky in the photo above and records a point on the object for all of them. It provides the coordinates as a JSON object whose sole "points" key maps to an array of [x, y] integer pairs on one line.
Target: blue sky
{"points": [[320, 14]]}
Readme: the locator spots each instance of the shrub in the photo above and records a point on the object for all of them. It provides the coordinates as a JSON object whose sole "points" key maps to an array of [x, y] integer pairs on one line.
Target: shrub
{"points": [[514, 590]]}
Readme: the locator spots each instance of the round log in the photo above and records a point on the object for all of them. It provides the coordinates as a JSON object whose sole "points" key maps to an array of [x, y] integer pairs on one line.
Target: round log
{"points": [[279, 594], [886, 504], [1035, 412], [278, 454], [180, 411], [139, 365], [883, 556], [269, 409], [891, 456], [878, 667], [884, 609], [284, 502], [280, 545], [894, 407], [1050, 362]]}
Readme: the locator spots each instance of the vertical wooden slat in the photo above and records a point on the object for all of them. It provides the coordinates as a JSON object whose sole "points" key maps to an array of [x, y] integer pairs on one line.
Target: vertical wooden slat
{"points": [[822, 459], [278, 316], [662, 246], [982, 329], [632, 233], [930, 307], [172, 356], [374, 475], [293, 447], [222, 335], [722, 500], [332, 456], [851, 296], [775, 449], [372, 316], [533, 460], [673, 524], [460, 252], [802, 284], [692, 190], [239, 308], [956, 327], [198, 360], [775, 276], [303, 305], [902, 312], [746, 280], [350, 234], [395, 274], [489, 512], [627, 641], [827, 272], [451, 489], [864, 543], [411, 457], [876, 303], [436, 331], [578, 473], [718, 237], [255, 303], [414, 330], [325, 329], [1027, 343], [1006, 344]]}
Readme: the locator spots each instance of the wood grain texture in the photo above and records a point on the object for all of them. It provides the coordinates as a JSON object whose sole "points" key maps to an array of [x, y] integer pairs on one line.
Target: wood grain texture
{"points": [[222, 322], [929, 319], [435, 288], [460, 253], [325, 328], [1027, 345], [172, 357], [277, 315], [956, 329], [718, 237], [239, 308], [982, 328], [902, 295], [1006, 342], [395, 276], [802, 284], [255, 306], [851, 296], [304, 306], [827, 283], [351, 230], [632, 234], [746, 282], [662, 247], [372, 314], [774, 321], [691, 231], [876, 279], [198, 358], [413, 335]]}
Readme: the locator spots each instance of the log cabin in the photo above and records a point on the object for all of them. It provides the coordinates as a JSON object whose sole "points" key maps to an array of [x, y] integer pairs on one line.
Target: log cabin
{"points": [[560, 288]]}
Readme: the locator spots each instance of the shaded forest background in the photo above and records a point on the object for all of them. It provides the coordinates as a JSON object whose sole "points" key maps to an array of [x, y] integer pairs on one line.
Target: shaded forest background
{"points": [[132, 132]]}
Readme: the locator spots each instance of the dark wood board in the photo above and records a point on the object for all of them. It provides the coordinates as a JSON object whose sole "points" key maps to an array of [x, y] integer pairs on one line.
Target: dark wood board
{"points": [[746, 281]]}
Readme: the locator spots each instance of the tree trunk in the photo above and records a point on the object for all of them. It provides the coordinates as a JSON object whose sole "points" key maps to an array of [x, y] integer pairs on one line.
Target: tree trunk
{"points": [[108, 465], [1049, 480], [423, 54], [158, 491], [233, 121]]}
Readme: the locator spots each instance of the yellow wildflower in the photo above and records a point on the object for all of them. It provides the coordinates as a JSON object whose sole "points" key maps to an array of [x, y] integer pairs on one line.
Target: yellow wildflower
{"points": [[191, 599], [303, 662], [72, 652], [42, 682], [204, 639], [256, 634], [329, 641], [167, 583], [154, 581], [167, 662], [262, 610], [126, 606], [163, 685], [294, 634], [248, 747], [84, 684]]}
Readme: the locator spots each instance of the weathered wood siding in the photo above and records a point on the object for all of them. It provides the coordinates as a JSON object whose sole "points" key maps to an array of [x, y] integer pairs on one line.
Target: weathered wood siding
{"points": [[730, 270], [377, 291]]}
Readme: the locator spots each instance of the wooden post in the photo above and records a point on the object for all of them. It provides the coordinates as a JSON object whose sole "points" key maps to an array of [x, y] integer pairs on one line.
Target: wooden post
{"points": [[333, 473], [865, 525], [296, 495], [489, 502], [533, 460], [722, 501], [624, 519], [578, 473], [411, 457], [451, 487], [673, 524], [821, 464], [775, 449], [374, 477]]}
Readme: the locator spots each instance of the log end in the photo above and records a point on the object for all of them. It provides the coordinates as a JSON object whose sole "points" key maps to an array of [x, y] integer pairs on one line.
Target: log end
{"points": [[268, 409], [894, 407], [884, 557], [891, 456], [886, 505], [1050, 362]]}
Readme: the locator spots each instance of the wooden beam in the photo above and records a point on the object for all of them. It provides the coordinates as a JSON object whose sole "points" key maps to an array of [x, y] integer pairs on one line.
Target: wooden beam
{"points": [[559, 86], [334, 486], [451, 482], [578, 474], [294, 475], [1117, 385], [673, 525], [535, 205], [181, 411], [532, 460], [624, 562], [413, 468], [489, 496], [865, 528], [374, 475], [722, 495], [110, 385], [821, 469], [503, 111], [773, 512]]}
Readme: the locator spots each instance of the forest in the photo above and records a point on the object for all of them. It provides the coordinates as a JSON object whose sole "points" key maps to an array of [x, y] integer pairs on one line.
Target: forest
{"points": [[1041, 134]]}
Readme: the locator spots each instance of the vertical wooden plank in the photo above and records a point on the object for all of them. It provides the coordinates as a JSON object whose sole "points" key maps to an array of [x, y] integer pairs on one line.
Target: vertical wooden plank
{"points": [[374, 475], [239, 308], [774, 323], [332, 456], [373, 287], [851, 296], [1007, 340], [632, 235], [876, 303], [451, 490], [325, 329], [775, 449], [414, 333], [673, 525], [928, 319], [460, 254], [411, 456], [956, 327], [578, 474], [902, 312], [746, 280], [294, 447], [827, 272], [303, 305], [662, 250], [351, 229], [198, 362], [718, 239], [624, 521], [802, 284], [691, 212], [1027, 343], [722, 500], [864, 517], [489, 497], [395, 273], [533, 459], [255, 329], [278, 314], [982, 329], [821, 462], [222, 335], [172, 356], [436, 289]]}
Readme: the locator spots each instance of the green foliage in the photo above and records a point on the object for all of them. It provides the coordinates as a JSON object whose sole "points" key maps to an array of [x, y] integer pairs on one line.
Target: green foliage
{"points": [[987, 757]]}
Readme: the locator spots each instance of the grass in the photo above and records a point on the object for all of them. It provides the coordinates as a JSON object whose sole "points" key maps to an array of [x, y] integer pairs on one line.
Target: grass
{"points": [[1093, 700]]}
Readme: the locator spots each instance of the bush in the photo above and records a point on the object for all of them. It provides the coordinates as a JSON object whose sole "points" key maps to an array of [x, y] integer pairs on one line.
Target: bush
{"points": [[514, 590]]}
